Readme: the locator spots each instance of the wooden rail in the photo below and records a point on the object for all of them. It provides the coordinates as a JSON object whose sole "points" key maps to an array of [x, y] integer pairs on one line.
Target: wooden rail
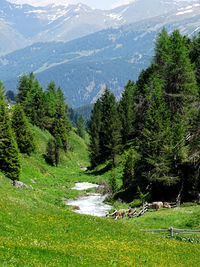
{"points": [[172, 231]]}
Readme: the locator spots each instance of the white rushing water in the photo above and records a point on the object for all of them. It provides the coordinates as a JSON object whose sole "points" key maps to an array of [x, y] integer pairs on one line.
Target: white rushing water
{"points": [[84, 186], [91, 204]]}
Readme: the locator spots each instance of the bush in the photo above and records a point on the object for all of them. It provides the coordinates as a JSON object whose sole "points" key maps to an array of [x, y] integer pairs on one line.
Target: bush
{"points": [[135, 203]]}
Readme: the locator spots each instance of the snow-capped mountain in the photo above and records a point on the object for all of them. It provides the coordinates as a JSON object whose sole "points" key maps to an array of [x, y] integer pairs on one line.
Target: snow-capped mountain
{"points": [[111, 57], [22, 24]]}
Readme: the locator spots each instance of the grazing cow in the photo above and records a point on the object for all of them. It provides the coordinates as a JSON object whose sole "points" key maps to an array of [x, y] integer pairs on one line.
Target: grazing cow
{"points": [[156, 205], [131, 212], [120, 214], [166, 205]]}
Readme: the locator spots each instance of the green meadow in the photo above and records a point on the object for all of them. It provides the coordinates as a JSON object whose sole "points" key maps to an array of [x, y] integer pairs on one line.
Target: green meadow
{"points": [[38, 229]]}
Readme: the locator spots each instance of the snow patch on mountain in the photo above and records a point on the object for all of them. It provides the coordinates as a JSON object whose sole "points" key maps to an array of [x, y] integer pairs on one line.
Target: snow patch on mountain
{"points": [[187, 9], [184, 12], [122, 3]]}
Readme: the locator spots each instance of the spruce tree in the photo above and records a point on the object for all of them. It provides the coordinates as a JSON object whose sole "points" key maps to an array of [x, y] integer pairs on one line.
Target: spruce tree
{"points": [[10, 162], [2, 91], [181, 87], [53, 152], [81, 127], [127, 113], [35, 105], [25, 85], [195, 56], [110, 134], [94, 132], [192, 163], [141, 100], [181, 95], [113, 182], [162, 51], [154, 169], [60, 132], [129, 170], [50, 105], [50, 96], [56, 120], [24, 136], [31, 98]]}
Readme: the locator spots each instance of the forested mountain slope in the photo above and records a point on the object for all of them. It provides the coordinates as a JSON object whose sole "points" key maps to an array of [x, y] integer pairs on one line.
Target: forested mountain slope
{"points": [[84, 67], [29, 24]]}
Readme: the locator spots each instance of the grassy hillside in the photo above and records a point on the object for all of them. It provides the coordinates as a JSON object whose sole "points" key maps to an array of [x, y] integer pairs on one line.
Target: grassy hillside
{"points": [[37, 229]]}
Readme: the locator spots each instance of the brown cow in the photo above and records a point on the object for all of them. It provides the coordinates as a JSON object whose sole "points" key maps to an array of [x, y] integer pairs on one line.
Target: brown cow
{"points": [[156, 205], [166, 205], [120, 214], [131, 212]]}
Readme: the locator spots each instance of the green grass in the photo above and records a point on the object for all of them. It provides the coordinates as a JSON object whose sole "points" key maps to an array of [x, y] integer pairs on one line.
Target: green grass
{"points": [[37, 229]]}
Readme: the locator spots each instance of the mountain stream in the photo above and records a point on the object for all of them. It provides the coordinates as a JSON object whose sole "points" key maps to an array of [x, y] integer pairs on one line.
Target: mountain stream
{"points": [[91, 204]]}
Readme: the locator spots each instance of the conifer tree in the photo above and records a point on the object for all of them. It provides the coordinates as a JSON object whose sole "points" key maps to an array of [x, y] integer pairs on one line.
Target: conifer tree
{"points": [[154, 169], [50, 105], [60, 132], [175, 68], [129, 170], [162, 51], [94, 132], [53, 151], [10, 162], [31, 98], [35, 105], [24, 136], [50, 96], [81, 127], [141, 100], [113, 182], [24, 87], [61, 107], [56, 120], [191, 165], [181, 94], [127, 112], [195, 56], [181, 87], [2, 91], [110, 134]]}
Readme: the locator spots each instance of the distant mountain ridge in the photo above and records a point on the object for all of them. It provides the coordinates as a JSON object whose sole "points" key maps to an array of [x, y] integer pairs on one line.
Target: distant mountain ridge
{"points": [[85, 66], [22, 25]]}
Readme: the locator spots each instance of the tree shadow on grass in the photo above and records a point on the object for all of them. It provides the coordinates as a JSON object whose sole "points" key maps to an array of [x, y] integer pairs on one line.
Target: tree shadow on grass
{"points": [[101, 171]]}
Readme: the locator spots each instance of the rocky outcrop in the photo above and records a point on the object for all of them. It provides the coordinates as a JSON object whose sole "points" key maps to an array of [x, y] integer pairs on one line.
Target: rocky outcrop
{"points": [[19, 184]]}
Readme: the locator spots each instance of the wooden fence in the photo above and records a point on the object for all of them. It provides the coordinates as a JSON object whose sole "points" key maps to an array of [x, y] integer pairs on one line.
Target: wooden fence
{"points": [[173, 231]]}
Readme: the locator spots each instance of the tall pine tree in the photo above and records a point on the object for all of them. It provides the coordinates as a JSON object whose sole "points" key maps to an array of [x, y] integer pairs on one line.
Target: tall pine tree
{"points": [[10, 162], [81, 127], [25, 85], [127, 113], [195, 56], [94, 132], [110, 134], [24, 136], [154, 168]]}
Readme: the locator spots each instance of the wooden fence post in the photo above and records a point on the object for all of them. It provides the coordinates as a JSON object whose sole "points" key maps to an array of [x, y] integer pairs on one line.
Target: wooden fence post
{"points": [[171, 231]]}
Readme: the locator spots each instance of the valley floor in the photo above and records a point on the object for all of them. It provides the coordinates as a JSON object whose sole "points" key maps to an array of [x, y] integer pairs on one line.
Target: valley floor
{"points": [[38, 229]]}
